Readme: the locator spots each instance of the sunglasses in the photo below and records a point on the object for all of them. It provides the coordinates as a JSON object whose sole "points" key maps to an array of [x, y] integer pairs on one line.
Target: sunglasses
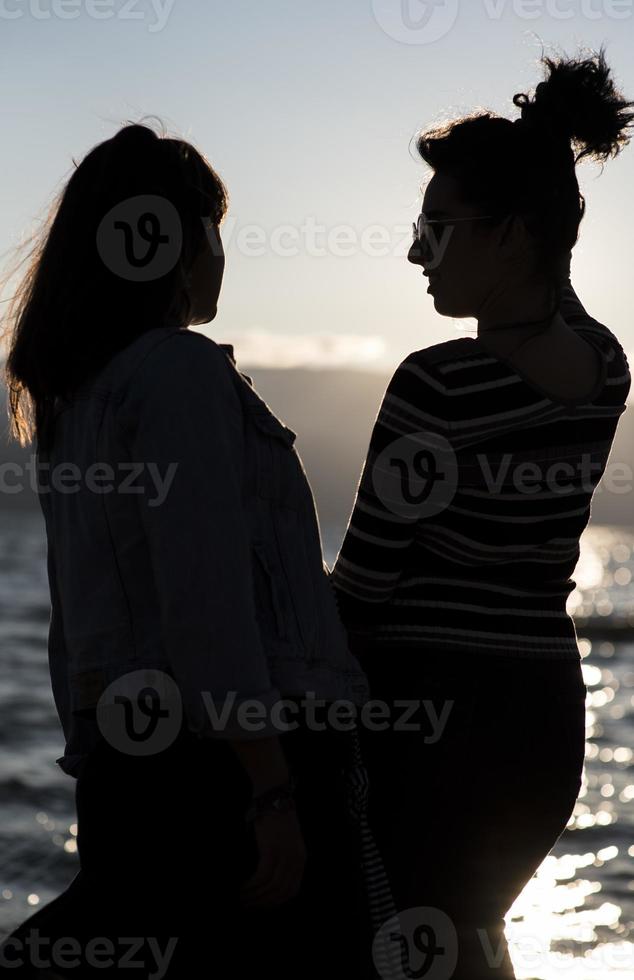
{"points": [[420, 227]]}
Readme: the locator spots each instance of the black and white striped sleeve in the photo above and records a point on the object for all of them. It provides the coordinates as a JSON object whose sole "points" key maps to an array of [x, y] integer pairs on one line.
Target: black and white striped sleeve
{"points": [[410, 433]]}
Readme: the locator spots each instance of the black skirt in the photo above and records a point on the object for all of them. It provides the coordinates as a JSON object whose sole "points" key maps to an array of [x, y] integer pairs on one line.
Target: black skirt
{"points": [[474, 769], [164, 850]]}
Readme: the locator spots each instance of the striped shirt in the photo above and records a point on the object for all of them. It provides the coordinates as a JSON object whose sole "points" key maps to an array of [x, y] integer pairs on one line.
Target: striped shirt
{"points": [[472, 500]]}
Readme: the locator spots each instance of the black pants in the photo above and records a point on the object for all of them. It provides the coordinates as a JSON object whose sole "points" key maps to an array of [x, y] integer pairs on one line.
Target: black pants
{"points": [[164, 849], [465, 817]]}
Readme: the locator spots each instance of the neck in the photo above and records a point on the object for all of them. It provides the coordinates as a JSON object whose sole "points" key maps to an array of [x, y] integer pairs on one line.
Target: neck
{"points": [[514, 306]]}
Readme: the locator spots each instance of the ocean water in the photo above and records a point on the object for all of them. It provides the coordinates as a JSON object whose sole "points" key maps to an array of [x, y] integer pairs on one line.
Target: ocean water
{"points": [[574, 919]]}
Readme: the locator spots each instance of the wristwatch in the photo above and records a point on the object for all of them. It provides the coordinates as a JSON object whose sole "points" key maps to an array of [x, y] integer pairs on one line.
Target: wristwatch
{"points": [[279, 799]]}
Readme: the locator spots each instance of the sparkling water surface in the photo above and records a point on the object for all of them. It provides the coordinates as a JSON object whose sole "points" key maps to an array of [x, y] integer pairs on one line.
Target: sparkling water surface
{"points": [[574, 919]]}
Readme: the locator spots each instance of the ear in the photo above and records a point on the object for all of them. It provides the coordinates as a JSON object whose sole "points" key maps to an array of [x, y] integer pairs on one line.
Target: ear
{"points": [[514, 235]]}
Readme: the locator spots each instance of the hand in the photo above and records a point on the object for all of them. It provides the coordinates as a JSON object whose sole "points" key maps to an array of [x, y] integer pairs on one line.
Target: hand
{"points": [[280, 870]]}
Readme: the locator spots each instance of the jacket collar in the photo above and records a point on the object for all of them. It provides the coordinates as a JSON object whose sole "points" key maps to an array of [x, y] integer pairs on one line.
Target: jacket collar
{"points": [[228, 349]]}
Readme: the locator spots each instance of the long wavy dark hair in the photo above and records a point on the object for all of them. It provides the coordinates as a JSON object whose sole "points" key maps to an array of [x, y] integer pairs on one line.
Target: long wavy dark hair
{"points": [[70, 311], [527, 166]]}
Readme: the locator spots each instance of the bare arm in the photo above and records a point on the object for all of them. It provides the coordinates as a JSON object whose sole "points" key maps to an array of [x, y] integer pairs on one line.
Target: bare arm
{"points": [[570, 306]]}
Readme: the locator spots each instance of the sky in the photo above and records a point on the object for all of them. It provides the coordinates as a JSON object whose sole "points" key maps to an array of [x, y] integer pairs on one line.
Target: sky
{"points": [[308, 111]]}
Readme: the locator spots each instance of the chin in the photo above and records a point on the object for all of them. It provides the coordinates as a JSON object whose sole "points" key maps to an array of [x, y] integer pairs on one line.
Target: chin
{"points": [[205, 317], [448, 309], [441, 307]]}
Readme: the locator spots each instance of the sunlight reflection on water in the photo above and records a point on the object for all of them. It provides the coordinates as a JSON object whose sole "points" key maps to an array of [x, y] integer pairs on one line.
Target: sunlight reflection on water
{"points": [[574, 919]]}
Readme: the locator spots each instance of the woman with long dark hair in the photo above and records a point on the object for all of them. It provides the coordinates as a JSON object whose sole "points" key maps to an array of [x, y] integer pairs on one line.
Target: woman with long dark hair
{"points": [[192, 616], [455, 569]]}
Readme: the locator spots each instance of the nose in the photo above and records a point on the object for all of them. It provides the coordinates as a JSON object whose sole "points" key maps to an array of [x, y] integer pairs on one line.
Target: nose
{"points": [[415, 254]]}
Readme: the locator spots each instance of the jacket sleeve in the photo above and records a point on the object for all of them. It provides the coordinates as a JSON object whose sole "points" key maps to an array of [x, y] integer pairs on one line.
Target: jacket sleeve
{"points": [[57, 654], [409, 442], [181, 419]]}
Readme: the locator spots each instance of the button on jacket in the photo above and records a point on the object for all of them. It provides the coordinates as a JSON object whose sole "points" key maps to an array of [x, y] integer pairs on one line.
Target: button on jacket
{"points": [[182, 537]]}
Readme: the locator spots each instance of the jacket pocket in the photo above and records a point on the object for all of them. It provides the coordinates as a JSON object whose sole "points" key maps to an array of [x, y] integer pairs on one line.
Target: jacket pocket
{"points": [[268, 604], [289, 530], [269, 438]]}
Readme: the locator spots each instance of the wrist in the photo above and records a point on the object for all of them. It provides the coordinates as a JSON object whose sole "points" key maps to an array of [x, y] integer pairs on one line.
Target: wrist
{"points": [[278, 799]]}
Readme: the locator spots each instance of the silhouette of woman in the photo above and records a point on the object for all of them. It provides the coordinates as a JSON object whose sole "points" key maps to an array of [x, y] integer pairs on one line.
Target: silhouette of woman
{"points": [[456, 565], [191, 610]]}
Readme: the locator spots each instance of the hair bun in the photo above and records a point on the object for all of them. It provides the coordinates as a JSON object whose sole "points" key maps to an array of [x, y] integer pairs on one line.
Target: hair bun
{"points": [[135, 135], [578, 102]]}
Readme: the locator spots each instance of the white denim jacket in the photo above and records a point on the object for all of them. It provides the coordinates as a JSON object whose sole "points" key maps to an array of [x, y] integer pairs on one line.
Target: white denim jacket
{"points": [[203, 559]]}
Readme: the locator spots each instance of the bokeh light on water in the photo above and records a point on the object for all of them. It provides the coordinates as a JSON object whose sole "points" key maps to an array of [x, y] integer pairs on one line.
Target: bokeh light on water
{"points": [[574, 919]]}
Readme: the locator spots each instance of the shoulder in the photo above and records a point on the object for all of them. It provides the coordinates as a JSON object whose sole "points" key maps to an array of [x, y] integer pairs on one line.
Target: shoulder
{"points": [[432, 367], [438, 386], [415, 397], [599, 336], [445, 352], [183, 353], [187, 346], [176, 363]]}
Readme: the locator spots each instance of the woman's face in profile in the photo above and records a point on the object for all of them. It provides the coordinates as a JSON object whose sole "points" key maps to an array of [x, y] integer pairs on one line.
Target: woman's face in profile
{"points": [[463, 261], [206, 276]]}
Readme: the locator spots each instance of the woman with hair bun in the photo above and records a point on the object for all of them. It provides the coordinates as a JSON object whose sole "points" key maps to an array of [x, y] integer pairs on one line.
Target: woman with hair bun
{"points": [[456, 566]]}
